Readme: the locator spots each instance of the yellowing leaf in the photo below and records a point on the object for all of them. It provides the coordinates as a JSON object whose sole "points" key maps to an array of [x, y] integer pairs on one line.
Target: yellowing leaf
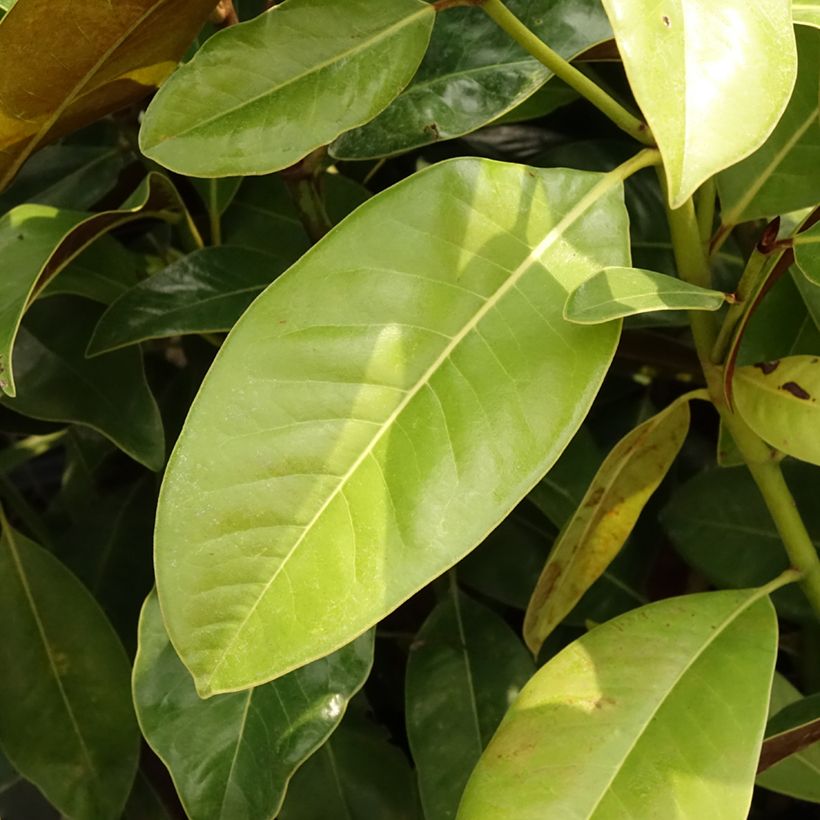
{"points": [[595, 534]]}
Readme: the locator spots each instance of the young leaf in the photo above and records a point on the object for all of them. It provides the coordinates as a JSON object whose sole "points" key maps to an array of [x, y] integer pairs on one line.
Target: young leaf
{"points": [[37, 242], [664, 706], [236, 110], [240, 749], [55, 77], [459, 89], [784, 173], [780, 401], [390, 398], [807, 253], [792, 730], [796, 775], [204, 292], [616, 292], [806, 12], [465, 668], [600, 526], [66, 720], [108, 393], [697, 68]]}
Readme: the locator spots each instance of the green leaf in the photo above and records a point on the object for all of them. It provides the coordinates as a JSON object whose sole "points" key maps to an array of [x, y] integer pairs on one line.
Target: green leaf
{"points": [[548, 98], [616, 292], [603, 521], [465, 668], [779, 400], [66, 720], [697, 68], [55, 77], [357, 775], [388, 424], [806, 12], [797, 775], [204, 292], [792, 730], [472, 74], [664, 706], [37, 242], [235, 110], [108, 393], [784, 173], [240, 749], [807, 253], [217, 194], [719, 524]]}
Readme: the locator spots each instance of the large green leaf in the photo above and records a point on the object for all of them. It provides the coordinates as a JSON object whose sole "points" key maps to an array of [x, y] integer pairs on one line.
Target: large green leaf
{"points": [[784, 173], [663, 707], [799, 774], [473, 73], [66, 720], [806, 12], [204, 292], [108, 393], [698, 68], [37, 242], [240, 749], [390, 398], [719, 524], [807, 253], [587, 545], [616, 292], [235, 110], [64, 64], [780, 401], [465, 668]]}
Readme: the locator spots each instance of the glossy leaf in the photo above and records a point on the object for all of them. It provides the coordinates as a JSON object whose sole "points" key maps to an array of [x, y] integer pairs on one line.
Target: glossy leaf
{"points": [[233, 755], [66, 720], [371, 423], [357, 775], [794, 729], [784, 173], [37, 242], [780, 401], [234, 111], [607, 514], [114, 398], [465, 668], [69, 78], [718, 523], [806, 12], [204, 292], [807, 253], [697, 68], [664, 706], [616, 292], [797, 775], [472, 74]]}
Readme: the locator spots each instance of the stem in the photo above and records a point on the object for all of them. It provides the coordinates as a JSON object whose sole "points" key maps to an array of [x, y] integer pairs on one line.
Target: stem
{"points": [[705, 209], [626, 121], [302, 182], [691, 260]]}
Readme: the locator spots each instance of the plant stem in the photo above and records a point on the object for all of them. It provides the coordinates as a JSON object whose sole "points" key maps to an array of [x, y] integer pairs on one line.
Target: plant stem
{"points": [[302, 182], [705, 209], [693, 266], [507, 21]]}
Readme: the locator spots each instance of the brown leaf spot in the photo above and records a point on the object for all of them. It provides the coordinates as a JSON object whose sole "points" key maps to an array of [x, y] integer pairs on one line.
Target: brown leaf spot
{"points": [[768, 367], [546, 583], [595, 498], [796, 390], [666, 21], [432, 130]]}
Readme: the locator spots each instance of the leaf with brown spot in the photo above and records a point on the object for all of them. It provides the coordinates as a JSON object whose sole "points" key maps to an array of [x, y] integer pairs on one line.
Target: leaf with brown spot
{"points": [[600, 526], [782, 406], [91, 58]]}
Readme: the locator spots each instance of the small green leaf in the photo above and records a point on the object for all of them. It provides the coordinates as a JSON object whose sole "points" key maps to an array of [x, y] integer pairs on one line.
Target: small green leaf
{"points": [[780, 401], [806, 12], [807, 253], [205, 292], [664, 706], [465, 668], [66, 720], [698, 68], [600, 526], [236, 110], [784, 173], [37, 242], [240, 749], [108, 393], [473, 73], [616, 292], [360, 396]]}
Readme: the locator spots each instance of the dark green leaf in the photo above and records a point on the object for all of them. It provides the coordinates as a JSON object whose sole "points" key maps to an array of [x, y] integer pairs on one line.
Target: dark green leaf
{"points": [[794, 729]]}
